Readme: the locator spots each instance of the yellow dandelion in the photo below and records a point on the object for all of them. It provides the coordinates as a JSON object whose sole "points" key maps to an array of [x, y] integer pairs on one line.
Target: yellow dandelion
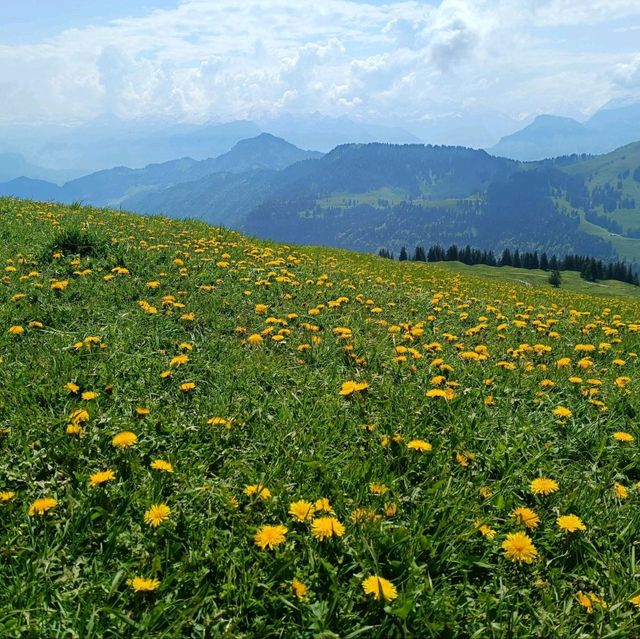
{"points": [[187, 387], [621, 436], [161, 465], [419, 445], [270, 536], [7, 495], [157, 514], [42, 506], [257, 489], [351, 387], [301, 510], [620, 491], [101, 477], [544, 486], [562, 412], [140, 584], [570, 523], [519, 548], [125, 439], [379, 588], [299, 589], [326, 527], [526, 516]]}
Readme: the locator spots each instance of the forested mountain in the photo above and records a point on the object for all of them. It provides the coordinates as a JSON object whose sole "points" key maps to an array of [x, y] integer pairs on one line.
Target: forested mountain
{"points": [[367, 196]]}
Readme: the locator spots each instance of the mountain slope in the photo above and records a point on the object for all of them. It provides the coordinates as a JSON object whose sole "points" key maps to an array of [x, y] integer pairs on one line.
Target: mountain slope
{"points": [[114, 187], [551, 136]]}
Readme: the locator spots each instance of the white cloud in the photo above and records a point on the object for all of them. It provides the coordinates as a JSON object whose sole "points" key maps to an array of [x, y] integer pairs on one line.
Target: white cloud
{"points": [[401, 60]]}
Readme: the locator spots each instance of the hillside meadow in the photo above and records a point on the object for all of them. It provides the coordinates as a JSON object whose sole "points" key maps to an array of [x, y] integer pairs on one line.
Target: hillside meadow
{"points": [[203, 435]]}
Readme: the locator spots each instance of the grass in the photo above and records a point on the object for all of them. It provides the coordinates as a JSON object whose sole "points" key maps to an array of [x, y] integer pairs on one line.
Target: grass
{"points": [[266, 336], [571, 280]]}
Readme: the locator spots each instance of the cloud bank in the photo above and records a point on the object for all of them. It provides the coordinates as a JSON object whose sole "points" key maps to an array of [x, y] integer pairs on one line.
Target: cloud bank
{"points": [[393, 62]]}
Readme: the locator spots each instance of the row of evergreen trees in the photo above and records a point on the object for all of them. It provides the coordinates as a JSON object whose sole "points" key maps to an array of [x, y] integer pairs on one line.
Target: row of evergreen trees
{"points": [[590, 268]]}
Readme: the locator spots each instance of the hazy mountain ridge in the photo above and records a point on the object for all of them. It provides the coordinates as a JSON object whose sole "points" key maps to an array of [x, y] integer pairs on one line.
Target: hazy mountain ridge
{"points": [[550, 136]]}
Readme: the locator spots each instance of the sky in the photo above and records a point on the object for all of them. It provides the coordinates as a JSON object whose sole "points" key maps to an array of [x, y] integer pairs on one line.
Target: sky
{"points": [[69, 61]]}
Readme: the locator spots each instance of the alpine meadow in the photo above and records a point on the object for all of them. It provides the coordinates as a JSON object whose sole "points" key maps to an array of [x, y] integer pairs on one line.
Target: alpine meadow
{"points": [[204, 435]]}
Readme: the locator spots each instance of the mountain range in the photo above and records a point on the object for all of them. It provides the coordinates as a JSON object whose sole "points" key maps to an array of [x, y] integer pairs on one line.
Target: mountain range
{"points": [[368, 196], [60, 153], [551, 136]]}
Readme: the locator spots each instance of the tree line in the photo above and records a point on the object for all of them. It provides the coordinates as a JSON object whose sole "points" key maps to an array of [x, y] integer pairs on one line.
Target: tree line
{"points": [[590, 268]]}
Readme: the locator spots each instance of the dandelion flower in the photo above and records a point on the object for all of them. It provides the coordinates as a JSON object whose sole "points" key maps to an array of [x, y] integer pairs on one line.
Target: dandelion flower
{"points": [[570, 523], [157, 514], [7, 495], [526, 516], [257, 489], [326, 527], [588, 600], [42, 506], [562, 412], [140, 584], [620, 491], [301, 510], [351, 387], [125, 439], [101, 477], [270, 536], [635, 601], [380, 588], [16, 330], [323, 504], [161, 465], [519, 548], [544, 486], [621, 436], [420, 445], [187, 387], [299, 588]]}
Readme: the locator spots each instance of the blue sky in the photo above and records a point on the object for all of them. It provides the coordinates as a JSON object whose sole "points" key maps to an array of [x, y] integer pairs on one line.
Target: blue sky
{"points": [[394, 62]]}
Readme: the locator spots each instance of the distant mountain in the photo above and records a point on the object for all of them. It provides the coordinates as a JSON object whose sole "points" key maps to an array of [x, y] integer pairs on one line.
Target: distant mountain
{"points": [[367, 196], [320, 132], [114, 187], [551, 136], [14, 165]]}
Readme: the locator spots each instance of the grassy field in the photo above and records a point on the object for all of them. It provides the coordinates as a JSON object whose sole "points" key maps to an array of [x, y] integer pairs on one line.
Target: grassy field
{"points": [[204, 435], [571, 280]]}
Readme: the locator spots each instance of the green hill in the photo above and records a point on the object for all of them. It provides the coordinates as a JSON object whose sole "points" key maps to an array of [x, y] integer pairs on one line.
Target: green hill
{"points": [[207, 435]]}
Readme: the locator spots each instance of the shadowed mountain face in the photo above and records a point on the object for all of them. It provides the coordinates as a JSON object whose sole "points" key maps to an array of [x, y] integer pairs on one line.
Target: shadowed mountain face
{"points": [[551, 136]]}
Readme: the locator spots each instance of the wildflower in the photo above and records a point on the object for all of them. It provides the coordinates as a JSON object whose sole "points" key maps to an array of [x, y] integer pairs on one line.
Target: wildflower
{"points": [[270, 536], [89, 395], [74, 429], [570, 523], [157, 514], [350, 387], [7, 495], [178, 360], [254, 339], [378, 489], [161, 465], [142, 411], [41, 506], [72, 387], [140, 584], [323, 504], [635, 601], [526, 516], [621, 436], [299, 588], [487, 531], [588, 600], [125, 439], [562, 412], [380, 588], [620, 491], [544, 486], [326, 527], [187, 387], [257, 489], [420, 445], [519, 548], [16, 330], [301, 510], [101, 477]]}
